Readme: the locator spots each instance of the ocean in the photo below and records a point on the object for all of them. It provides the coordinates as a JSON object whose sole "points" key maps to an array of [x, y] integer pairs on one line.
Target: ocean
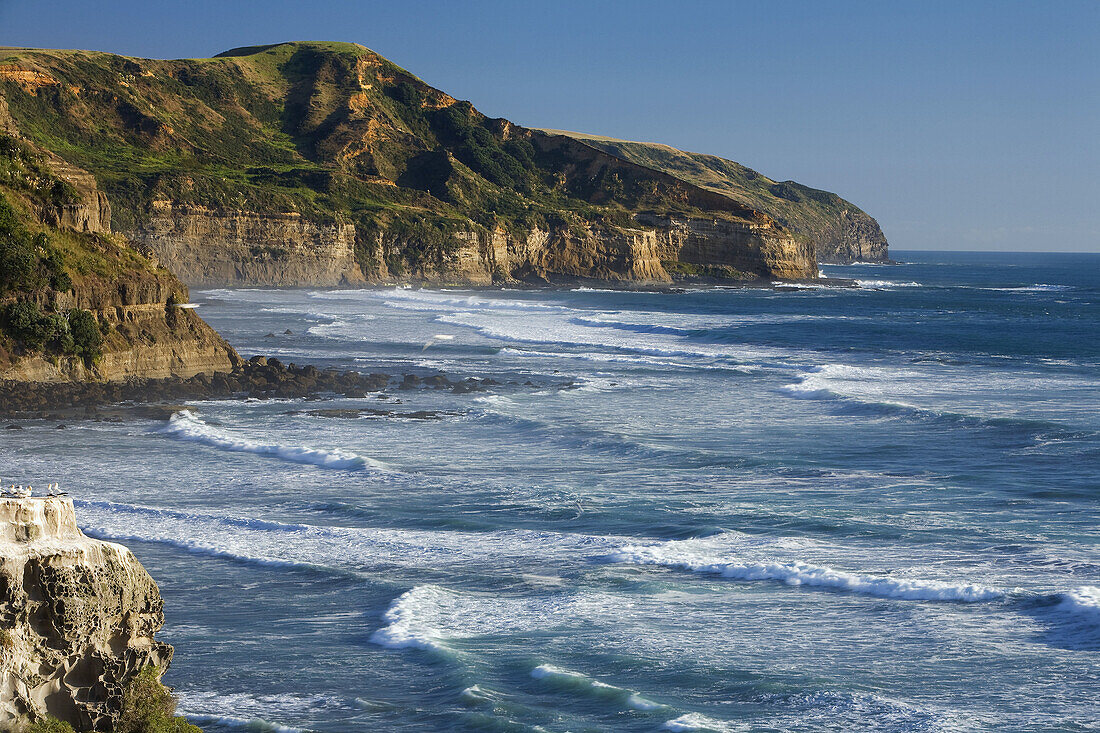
{"points": [[726, 509]]}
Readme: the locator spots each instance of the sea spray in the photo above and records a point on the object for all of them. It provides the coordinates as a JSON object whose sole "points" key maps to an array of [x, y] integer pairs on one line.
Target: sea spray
{"points": [[186, 425], [798, 573]]}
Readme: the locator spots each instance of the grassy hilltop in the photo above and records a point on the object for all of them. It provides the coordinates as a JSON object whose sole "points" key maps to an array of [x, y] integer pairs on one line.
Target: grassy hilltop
{"points": [[840, 230], [324, 129], [336, 133]]}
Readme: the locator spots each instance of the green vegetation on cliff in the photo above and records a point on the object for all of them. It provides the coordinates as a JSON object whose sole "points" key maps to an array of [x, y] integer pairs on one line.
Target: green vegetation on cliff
{"points": [[63, 292], [334, 132], [36, 263], [147, 707], [840, 230]]}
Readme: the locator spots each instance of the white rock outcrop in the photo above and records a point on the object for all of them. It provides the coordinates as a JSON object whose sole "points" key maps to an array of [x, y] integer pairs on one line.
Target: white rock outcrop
{"points": [[77, 618]]}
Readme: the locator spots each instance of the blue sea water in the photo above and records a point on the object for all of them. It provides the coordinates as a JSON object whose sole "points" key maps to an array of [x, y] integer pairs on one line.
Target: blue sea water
{"points": [[728, 509]]}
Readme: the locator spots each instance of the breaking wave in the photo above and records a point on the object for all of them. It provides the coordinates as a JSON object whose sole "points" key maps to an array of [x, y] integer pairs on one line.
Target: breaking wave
{"points": [[698, 722], [1036, 288], [679, 554], [1083, 602], [887, 284], [338, 550], [577, 682], [431, 617], [186, 425]]}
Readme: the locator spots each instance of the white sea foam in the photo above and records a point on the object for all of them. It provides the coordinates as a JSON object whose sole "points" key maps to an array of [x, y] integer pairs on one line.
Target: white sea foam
{"points": [[342, 329], [697, 721], [639, 361], [251, 712], [430, 617], [477, 694], [579, 682], [699, 557], [1036, 288], [870, 384], [637, 702], [437, 300], [956, 392], [257, 725], [186, 425], [887, 284], [575, 332], [409, 620], [338, 549], [1083, 602]]}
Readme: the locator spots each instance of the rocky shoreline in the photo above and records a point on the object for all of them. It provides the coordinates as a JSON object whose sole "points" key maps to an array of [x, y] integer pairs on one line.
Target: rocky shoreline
{"points": [[259, 377]]}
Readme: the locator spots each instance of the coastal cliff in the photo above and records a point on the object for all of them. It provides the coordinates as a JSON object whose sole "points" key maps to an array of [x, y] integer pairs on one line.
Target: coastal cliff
{"points": [[326, 164], [839, 231], [220, 247], [77, 619], [77, 302]]}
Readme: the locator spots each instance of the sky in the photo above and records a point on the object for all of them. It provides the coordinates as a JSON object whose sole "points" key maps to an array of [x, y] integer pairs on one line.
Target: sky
{"points": [[958, 125]]}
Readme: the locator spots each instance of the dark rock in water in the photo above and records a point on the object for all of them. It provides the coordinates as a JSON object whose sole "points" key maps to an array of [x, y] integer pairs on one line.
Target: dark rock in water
{"points": [[288, 332], [335, 412], [158, 412], [424, 415], [259, 377], [269, 336], [357, 412], [61, 427], [13, 427], [438, 381]]}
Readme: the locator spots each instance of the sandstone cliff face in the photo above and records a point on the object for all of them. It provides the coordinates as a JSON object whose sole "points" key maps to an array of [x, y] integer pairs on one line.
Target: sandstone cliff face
{"points": [[209, 247], [537, 256], [90, 213], [148, 338], [78, 618], [276, 142], [839, 230], [858, 239], [756, 250]]}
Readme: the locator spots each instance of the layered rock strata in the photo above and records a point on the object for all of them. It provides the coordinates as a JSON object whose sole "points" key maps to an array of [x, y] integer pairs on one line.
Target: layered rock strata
{"points": [[77, 618], [211, 247]]}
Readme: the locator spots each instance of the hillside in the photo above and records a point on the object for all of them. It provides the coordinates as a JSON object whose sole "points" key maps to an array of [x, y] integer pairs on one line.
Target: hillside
{"points": [[324, 163], [839, 230], [76, 302]]}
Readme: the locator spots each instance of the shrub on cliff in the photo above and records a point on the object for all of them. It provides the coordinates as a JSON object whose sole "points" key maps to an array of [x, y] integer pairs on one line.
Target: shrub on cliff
{"points": [[149, 707], [86, 334], [29, 325], [27, 260], [50, 725], [80, 334]]}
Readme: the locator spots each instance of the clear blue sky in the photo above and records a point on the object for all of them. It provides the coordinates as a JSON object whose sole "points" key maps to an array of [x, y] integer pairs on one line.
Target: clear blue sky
{"points": [[959, 125]]}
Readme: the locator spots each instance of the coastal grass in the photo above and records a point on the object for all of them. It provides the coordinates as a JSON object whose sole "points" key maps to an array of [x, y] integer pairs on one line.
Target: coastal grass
{"points": [[147, 707], [331, 131]]}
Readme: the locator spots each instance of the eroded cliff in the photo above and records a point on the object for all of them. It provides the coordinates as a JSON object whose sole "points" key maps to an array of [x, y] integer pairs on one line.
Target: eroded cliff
{"points": [[77, 302], [326, 164], [839, 230], [77, 618]]}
